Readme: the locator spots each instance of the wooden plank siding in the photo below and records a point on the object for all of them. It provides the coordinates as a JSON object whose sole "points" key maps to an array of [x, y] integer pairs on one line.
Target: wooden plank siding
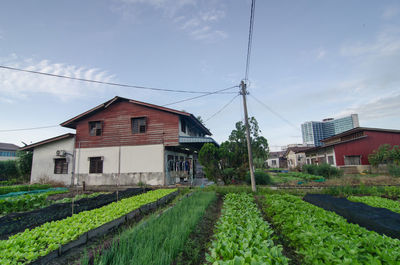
{"points": [[161, 127]]}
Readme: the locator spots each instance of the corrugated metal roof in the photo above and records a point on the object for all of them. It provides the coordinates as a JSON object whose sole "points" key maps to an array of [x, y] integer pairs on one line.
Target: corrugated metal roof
{"points": [[60, 137], [196, 139], [7, 146]]}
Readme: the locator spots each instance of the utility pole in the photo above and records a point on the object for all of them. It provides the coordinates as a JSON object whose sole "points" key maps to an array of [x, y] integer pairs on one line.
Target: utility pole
{"points": [[246, 122]]}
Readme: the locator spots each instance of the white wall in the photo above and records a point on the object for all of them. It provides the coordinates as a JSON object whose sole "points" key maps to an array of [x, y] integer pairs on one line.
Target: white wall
{"points": [[140, 163], [139, 158], [43, 161]]}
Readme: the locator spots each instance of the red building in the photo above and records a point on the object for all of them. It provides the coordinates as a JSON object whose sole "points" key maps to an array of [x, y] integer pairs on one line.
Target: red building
{"points": [[350, 149]]}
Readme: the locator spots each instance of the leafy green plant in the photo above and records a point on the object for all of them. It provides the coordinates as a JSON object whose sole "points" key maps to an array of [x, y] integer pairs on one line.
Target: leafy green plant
{"points": [[323, 237], [378, 202], [324, 170], [159, 239], [261, 177], [394, 170], [15, 188], [242, 236], [29, 245]]}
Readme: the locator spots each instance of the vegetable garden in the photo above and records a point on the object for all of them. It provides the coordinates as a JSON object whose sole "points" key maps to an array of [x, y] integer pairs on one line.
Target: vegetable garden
{"points": [[281, 228]]}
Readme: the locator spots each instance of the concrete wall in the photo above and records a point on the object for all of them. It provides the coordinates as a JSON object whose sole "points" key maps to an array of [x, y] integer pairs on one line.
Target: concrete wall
{"points": [[43, 161], [140, 163], [322, 154], [271, 165]]}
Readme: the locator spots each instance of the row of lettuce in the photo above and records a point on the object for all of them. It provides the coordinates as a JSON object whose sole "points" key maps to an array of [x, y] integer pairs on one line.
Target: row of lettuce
{"points": [[29, 245], [242, 236], [29, 202], [323, 237], [316, 236]]}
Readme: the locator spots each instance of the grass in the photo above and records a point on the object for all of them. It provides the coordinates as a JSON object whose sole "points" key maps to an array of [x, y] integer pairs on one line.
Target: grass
{"points": [[160, 239]]}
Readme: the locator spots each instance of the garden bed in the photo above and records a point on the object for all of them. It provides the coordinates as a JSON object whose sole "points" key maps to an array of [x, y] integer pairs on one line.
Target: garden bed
{"points": [[196, 246], [52, 239], [380, 220], [17, 222]]}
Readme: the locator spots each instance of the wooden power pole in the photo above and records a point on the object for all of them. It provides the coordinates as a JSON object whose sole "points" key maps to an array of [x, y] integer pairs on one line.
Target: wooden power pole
{"points": [[246, 122]]}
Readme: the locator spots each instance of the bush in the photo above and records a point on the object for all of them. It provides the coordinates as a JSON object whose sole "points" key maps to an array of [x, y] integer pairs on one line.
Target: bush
{"points": [[8, 170], [394, 170], [262, 178], [325, 170], [228, 175]]}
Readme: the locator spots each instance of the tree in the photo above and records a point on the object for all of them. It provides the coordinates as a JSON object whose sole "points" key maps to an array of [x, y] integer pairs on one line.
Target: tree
{"points": [[232, 157], [381, 156], [237, 145], [209, 158], [24, 164]]}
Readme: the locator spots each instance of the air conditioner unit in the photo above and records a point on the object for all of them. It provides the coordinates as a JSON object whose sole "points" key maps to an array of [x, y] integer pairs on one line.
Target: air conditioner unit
{"points": [[61, 153]]}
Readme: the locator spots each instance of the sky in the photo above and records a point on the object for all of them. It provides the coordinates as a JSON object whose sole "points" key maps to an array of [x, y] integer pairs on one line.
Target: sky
{"points": [[310, 60]]}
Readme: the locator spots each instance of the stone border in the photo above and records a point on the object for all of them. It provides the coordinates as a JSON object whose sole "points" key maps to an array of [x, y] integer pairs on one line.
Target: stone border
{"points": [[104, 229]]}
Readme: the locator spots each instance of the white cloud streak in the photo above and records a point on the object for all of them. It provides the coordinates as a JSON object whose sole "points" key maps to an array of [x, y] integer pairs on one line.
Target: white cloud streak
{"points": [[381, 107], [190, 16], [16, 85]]}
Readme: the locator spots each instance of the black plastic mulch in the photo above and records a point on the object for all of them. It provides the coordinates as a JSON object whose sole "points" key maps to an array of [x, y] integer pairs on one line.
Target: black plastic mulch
{"points": [[380, 220]]}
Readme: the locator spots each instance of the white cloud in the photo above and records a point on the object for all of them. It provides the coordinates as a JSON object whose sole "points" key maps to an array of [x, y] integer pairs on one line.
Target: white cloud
{"points": [[390, 12], [15, 85], [386, 43], [381, 107], [196, 18]]}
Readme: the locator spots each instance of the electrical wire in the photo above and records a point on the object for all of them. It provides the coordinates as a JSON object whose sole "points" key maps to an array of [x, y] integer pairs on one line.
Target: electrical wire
{"points": [[219, 111], [28, 129], [275, 113], [250, 41], [211, 93], [109, 83]]}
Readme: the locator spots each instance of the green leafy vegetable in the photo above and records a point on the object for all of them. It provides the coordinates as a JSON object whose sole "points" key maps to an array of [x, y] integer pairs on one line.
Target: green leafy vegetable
{"points": [[29, 245], [323, 237], [378, 202], [242, 236]]}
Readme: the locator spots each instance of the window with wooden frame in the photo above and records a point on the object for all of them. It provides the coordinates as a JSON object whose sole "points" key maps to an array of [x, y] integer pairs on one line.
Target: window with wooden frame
{"points": [[183, 126], [96, 164], [95, 128], [139, 125], [60, 166]]}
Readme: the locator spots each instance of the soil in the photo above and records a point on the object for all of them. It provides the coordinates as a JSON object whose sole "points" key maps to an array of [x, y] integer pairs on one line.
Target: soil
{"points": [[199, 240], [288, 251]]}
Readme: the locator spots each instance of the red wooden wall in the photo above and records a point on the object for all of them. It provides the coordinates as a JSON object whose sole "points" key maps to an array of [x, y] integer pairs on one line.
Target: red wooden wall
{"points": [[162, 127], [365, 146]]}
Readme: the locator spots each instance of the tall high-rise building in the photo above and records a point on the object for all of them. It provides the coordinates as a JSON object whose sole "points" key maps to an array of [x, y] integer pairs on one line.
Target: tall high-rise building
{"points": [[314, 131]]}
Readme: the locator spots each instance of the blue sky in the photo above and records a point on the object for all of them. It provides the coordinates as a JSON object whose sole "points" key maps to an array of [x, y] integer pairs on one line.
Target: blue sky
{"points": [[310, 60]]}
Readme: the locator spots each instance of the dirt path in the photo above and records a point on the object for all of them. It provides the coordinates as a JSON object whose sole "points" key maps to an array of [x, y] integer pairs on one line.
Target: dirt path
{"points": [[199, 240]]}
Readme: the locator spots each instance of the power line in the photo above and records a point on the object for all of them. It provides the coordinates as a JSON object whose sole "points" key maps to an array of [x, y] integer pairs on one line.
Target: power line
{"points": [[219, 111], [28, 129], [210, 93], [109, 83], [275, 113], [250, 41]]}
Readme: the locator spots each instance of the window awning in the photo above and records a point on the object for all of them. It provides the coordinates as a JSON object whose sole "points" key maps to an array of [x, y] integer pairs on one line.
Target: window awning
{"points": [[196, 140]]}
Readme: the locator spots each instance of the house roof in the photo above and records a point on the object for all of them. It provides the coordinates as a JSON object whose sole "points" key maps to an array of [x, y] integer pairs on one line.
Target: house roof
{"points": [[50, 140], [297, 149], [360, 129], [276, 154], [71, 123], [8, 147]]}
